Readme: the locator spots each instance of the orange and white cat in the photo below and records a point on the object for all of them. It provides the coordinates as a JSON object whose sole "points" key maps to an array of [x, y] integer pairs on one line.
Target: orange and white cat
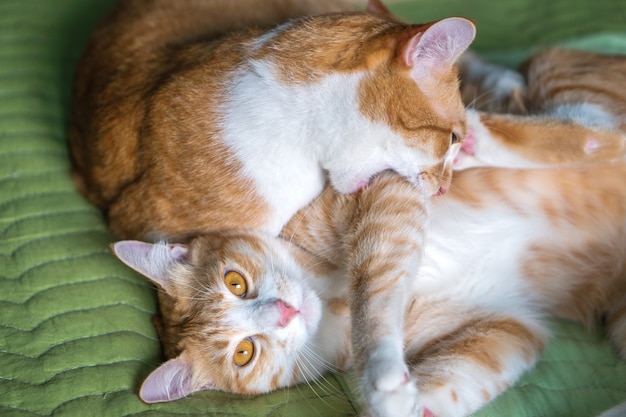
{"points": [[189, 118], [438, 303], [503, 249]]}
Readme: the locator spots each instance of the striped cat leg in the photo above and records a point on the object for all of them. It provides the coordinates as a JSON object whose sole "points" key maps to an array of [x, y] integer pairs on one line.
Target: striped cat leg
{"points": [[463, 370], [384, 248]]}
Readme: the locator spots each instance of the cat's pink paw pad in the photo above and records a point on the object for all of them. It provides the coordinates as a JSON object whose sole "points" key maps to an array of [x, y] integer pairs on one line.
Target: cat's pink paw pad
{"points": [[427, 413], [591, 145]]}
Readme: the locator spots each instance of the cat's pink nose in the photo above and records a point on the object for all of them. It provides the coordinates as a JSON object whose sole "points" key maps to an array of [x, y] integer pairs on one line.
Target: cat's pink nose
{"points": [[287, 313]]}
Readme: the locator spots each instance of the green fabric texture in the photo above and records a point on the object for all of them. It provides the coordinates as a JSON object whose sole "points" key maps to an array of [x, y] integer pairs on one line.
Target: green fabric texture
{"points": [[75, 332]]}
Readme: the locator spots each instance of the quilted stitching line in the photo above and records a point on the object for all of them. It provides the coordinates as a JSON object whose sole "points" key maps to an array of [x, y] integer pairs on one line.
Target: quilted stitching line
{"points": [[74, 311], [61, 234]]}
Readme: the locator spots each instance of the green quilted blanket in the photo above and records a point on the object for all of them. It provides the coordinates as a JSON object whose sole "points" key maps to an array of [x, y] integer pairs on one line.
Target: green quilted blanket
{"points": [[75, 330]]}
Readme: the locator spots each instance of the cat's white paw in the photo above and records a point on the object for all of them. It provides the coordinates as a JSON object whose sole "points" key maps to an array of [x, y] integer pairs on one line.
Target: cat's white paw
{"points": [[400, 402], [387, 387]]}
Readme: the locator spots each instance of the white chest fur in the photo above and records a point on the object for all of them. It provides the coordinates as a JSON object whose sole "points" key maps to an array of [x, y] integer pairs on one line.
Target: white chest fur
{"points": [[292, 137], [267, 125]]}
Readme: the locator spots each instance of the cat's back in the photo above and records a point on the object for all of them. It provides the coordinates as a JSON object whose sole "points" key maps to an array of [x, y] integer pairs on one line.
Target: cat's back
{"points": [[147, 94], [142, 36], [135, 49]]}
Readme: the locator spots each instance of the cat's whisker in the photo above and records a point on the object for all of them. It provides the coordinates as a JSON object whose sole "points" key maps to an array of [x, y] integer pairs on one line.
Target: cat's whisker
{"points": [[311, 358], [473, 104], [202, 288], [309, 382], [310, 377], [314, 376], [328, 366], [477, 97]]}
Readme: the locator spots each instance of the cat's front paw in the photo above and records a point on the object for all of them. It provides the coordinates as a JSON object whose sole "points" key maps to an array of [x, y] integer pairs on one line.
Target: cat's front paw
{"points": [[401, 401], [388, 389]]}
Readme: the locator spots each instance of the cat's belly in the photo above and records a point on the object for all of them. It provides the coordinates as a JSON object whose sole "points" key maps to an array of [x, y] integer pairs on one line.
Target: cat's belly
{"points": [[477, 260]]}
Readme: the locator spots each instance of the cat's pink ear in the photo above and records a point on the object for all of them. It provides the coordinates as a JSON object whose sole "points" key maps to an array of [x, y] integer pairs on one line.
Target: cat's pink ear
{"points": [[438, 46], [170, 381], [150, 260]]}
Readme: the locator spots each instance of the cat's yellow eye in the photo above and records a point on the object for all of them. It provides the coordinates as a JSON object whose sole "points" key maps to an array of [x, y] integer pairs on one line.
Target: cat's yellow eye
{"points": [[244, 352], [236, 283]]}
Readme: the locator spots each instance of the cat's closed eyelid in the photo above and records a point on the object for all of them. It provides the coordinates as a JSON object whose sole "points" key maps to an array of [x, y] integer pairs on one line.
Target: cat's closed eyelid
{"points": [[460, 133]]}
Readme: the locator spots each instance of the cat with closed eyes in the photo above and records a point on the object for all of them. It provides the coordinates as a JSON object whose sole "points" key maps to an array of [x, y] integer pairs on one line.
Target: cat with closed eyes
{"points": [[445, 297], [202, 115]]}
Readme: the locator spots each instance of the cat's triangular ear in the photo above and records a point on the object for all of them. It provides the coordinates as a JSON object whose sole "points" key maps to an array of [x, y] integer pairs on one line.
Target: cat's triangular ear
{"points": [[170, 381], [377, 7], [150, 260], [438, 46]]}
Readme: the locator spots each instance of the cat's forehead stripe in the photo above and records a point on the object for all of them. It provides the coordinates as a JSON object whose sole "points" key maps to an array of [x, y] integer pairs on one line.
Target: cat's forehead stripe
{"points": [[296, 49]]}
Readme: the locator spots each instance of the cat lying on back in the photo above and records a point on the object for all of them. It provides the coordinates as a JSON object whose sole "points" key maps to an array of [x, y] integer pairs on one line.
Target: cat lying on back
{"points": [[188, 119], [448, 296]]}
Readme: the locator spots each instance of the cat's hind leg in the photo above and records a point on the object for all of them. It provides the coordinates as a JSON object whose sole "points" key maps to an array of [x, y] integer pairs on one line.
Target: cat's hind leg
{"points": [[460, 372]]}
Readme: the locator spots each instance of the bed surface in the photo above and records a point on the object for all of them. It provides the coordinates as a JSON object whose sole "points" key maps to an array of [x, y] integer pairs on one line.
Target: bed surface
{"points": [[75, 330]]}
